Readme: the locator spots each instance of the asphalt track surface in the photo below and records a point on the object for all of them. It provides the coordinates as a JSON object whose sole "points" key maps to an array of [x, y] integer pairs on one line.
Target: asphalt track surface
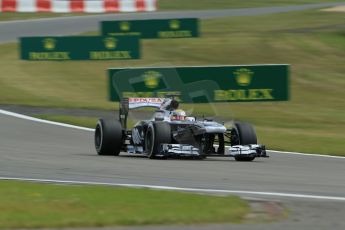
{"points": [[314, 186], [10, 31]]}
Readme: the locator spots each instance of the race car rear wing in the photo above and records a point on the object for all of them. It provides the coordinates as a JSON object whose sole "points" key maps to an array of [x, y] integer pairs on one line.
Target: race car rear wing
{"points": [[135, 103]]}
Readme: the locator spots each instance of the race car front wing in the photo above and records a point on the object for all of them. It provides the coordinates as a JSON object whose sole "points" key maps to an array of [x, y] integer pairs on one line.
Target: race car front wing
{"points": [[232, 151]]}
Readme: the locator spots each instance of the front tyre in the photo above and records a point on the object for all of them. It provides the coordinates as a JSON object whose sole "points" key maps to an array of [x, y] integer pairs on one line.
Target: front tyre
{"points": [[108, 137], [157, 133], [243, 134]]}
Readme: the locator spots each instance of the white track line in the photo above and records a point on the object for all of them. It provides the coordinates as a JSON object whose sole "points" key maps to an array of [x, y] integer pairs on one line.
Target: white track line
{"points": [[307, 154], [222, 191], [17, 115], [21, 116]]}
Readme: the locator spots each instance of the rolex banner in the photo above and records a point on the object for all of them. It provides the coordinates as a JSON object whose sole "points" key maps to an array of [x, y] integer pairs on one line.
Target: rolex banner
{"points": [[203, 84], [153, 28], [79, 48]]}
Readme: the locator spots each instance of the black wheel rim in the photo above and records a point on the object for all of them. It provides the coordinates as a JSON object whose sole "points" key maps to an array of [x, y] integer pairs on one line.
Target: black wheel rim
{"points": [[148, 142], [235, 138], [98, 137]]}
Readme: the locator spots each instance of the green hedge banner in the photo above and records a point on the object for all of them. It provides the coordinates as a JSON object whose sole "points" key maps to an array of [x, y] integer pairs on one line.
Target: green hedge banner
{"points": [[203, 84], [154, 28], [79, 48]]}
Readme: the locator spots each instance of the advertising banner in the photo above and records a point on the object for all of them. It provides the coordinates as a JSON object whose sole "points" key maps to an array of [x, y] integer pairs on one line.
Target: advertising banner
{"points": [[79, 48], [247, 83], [153, 28]]}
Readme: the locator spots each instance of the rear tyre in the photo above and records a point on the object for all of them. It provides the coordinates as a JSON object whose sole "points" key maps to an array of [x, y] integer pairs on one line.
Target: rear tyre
{"points": [[243, 134], [157, 133], [108, 137]]}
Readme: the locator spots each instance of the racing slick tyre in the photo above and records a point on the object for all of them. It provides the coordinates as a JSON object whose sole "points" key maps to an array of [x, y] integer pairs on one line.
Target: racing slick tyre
{"points": [[244, 134], [157, 133], [108, 137]]}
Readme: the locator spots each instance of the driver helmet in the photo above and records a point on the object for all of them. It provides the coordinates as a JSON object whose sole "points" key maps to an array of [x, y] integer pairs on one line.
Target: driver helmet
{"points": [[178, 115]]}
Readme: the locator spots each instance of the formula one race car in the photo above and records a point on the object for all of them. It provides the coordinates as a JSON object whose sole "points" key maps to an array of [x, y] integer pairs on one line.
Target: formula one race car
{"points": [[170, 133]]}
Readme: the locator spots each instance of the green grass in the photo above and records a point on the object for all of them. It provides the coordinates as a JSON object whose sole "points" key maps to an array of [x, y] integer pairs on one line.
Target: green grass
{"points": [[228, 4], [313, 42], [30, 205]]}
